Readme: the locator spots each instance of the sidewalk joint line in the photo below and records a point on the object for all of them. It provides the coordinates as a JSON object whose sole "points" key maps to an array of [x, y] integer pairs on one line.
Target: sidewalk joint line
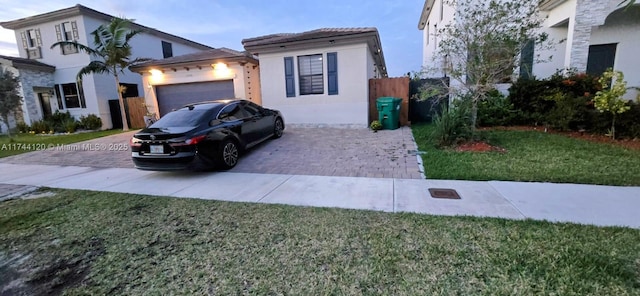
{"points": [[275, 188], [508, 200], [393, 188]]}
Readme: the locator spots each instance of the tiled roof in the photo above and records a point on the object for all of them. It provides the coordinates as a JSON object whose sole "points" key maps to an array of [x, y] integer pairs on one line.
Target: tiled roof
{"points": [[78, 9], [201, 56], [27, 63], [304, 36]]}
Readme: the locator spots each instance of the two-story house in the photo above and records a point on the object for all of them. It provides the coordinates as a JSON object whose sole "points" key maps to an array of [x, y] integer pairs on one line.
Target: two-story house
{"points": [[97, 93], [588, 36]]}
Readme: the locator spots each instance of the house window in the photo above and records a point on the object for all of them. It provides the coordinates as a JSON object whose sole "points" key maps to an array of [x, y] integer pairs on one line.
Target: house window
{"points": [[130, 90], [67, 34], [31, 43], [31, 38], [600, 58], [167, 50], [310, 73], [67, 31], [73, 95]]}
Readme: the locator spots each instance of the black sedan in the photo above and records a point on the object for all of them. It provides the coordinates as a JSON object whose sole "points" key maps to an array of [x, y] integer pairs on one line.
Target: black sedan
{"points": [[204, 135]]}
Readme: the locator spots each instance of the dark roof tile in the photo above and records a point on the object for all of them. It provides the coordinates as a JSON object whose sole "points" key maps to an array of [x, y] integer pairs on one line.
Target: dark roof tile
{"points": [[206, 55], [22, 63], [304, 36]]}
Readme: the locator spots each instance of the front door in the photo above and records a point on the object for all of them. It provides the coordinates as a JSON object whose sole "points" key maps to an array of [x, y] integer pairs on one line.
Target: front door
{"points": [[45, 103]]}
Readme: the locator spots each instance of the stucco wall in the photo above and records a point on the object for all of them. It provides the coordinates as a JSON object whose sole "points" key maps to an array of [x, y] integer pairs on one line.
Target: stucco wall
{"points": [[98, 89], [625, 31], [181, 75], [349, 106]]}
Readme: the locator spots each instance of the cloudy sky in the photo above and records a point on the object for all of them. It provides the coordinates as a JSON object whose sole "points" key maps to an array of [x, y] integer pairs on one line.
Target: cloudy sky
{"points": [[224, 23]]}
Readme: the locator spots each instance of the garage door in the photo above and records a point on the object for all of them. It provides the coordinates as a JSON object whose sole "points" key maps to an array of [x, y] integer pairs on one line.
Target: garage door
{"points": [[177, 95]]}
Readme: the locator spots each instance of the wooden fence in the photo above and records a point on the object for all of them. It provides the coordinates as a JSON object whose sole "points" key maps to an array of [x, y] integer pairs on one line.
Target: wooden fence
{"points": [[390, 87], [135, 110]]}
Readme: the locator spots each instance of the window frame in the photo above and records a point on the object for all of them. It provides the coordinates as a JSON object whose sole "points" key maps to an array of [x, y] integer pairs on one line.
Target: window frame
{"points": [[32, 39], [304, 78], [67, 97], [66, 29], [167, 49]]}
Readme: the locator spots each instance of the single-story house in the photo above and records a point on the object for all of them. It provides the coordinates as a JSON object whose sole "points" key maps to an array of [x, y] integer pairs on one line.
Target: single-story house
{"points": [[36, 88], [319, 76], [202, 76]]}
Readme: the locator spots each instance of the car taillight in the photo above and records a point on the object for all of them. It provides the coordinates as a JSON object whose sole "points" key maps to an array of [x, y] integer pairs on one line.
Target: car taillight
{"points": [[135, 142], [195, 140]]}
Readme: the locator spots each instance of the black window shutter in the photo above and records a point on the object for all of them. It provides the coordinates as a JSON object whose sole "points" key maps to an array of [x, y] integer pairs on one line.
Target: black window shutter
{"points": [[288, 77], [332, 72], [526, 60], [56, 89], [83, 102]]}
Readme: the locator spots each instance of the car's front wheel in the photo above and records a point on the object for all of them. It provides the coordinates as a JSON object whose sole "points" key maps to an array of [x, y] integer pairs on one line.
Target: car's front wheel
{"points": [[228, 154], [278, 128]]}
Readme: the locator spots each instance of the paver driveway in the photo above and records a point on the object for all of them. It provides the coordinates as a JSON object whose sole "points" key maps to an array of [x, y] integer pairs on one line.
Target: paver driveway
{"points": [[301, 151]]}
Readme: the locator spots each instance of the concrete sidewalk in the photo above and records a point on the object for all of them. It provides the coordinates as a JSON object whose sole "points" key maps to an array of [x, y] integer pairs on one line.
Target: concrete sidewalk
{"points": [[585, 204]]}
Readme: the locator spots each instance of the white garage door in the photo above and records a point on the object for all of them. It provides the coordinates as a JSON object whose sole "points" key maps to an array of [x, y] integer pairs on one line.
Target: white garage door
{"points": [[175, 96]]}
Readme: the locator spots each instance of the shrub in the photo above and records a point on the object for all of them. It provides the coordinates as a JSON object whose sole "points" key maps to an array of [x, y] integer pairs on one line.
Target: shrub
{"points": [[375, 125], [452, 124], [609, 99], [70, 126], [549, 100], [528, 99], [90, 122], [58, 121], [22, 127], [495, 110], [41, 126]]}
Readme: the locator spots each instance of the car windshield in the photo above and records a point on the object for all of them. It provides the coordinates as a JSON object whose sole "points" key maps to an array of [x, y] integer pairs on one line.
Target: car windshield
{"points": [[182, 117]]}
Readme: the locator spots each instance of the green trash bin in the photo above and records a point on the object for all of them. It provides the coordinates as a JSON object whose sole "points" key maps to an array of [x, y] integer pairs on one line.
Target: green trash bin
{"points": [[389, 112]]}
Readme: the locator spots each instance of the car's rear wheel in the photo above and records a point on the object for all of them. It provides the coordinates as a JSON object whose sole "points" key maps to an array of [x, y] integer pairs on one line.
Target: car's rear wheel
{"points": [[278, 128], [228, 154]]}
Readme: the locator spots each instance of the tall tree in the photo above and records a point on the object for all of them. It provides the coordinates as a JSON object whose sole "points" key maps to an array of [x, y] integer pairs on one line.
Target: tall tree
{"points": [[112, 53], [482, 46], [10, 99]]}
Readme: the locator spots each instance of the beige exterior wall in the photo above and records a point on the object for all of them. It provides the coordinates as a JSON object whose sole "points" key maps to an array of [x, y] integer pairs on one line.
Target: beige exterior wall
{"points": [[348, 107], [234, 71]]}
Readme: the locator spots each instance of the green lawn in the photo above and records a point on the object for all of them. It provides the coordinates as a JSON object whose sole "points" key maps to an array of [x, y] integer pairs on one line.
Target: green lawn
{"points": [[94, 243], [532, 156], [23, 143]]}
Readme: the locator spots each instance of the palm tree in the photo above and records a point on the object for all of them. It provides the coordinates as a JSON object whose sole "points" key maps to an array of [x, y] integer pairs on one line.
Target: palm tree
{"points": [[112, 53]]}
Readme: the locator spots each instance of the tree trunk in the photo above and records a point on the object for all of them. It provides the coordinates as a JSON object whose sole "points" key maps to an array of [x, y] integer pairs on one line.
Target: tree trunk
{"points": [[474, 114], [613, 127], [125, 125], [5, 119]]}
